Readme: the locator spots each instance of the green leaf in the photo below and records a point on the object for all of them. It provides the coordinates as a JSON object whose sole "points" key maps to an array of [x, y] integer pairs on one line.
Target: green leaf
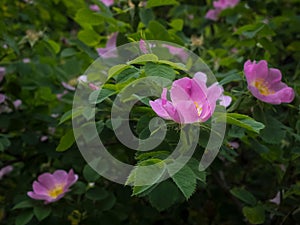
{"points": [[89, 37], [273, 133], [54, 45], [153, 69], [242, 121], [87, 17], [66, 141], [164, 195], [177, 24], [156, 3], [250, 30], [255, 215], [100, 95], [115, 70], [67, 52], [90, 174], [41, 212], [185, 179], [143, 59], [68, 115], [176, 66], [97, 193], [244, 195], [23, 204], [24, 217]]}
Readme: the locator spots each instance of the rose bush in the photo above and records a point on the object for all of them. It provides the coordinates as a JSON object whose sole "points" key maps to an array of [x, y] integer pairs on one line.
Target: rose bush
{"points": [[48, 45]]}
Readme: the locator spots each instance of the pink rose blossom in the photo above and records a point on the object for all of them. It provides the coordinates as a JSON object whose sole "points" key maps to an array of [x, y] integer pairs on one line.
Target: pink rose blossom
{"points": [[68, 86], [5, 170], [213, 14], [224, 4], [180, 52], [52, 187], [26, 60], [265, 84], [17, 103], [143, 46], [2, 98], [219, 5], [94, 8], [108, 3], [110, 49], [191, 100]]}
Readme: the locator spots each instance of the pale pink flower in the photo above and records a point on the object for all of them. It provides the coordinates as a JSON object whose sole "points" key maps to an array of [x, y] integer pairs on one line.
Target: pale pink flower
{"points": [[191, 100], [224, 4], [17, 103], [265, 84], [110, 49], [68, 87], [2, 98], [26, 60], [108, 3], [276, 199], [94, 8], [5, 170], [177, 51], [52, 187], [213, 14]]}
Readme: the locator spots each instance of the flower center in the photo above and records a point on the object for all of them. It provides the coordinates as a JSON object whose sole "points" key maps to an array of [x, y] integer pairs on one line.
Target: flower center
{"points": [[262, 87], [56, 191], [199, 108]]}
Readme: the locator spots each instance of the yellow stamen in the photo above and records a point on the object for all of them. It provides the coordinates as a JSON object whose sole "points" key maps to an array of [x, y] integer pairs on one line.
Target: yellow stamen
{"points": [[262, 87], [199, 108], [56, 191]]}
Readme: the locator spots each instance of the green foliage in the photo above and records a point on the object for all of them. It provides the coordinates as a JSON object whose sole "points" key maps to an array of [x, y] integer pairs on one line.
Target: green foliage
{"points": [[44, 43]]}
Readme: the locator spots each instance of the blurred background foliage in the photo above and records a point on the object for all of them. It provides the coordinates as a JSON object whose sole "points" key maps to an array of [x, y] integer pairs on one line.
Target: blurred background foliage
{"points": [[45, 45]]}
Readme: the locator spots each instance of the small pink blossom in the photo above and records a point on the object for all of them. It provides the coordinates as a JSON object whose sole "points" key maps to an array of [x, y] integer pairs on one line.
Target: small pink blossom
{"points": [[219, 6], [52, 187], [94, 8], [26, 60], [94, 87], [213, 14], [234, 144], [191, 100], [143, 46], [68, 86], [224, 4], [44, 138], [108, 3], [265, 84], [276, 199], [60, 95], [110, 49], [180, 52], [17, 103], [2, 72], [5, 170], [2, 98]]}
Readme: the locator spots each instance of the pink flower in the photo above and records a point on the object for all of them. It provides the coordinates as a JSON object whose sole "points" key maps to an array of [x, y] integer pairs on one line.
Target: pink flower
{"points": [[68, 86], [2, 73], [94, 8], [191, 100], [5, 170], [143, 46], [52, 187], [180, 52], [17, 103], [2, 98], [219, 5], [213, 14], [26, 60], [110, 49], [224, 4], [108, 3], [265, 84]]}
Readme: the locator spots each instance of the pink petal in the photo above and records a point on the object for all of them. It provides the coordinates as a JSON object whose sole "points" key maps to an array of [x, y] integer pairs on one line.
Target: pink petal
{"points": [[212, 14], [94, 8], [143, 46], [60, 177], [181, 90], [39, 189], [108, 2], [254, 71], [47, 180], [158, 108], [71, 179], [225, 100], [274, 76], [2, 98], [187, 112]]}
